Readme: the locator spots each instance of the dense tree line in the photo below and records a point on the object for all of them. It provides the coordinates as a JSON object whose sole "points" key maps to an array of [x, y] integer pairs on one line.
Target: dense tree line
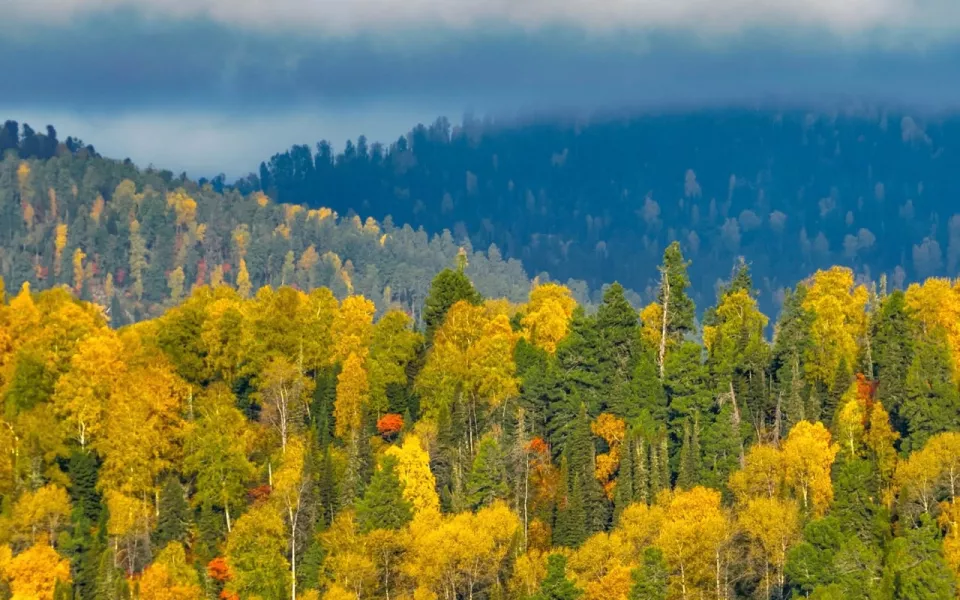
{"points": [[597, 199], [138, 241], [287, 444], [27, 143]]}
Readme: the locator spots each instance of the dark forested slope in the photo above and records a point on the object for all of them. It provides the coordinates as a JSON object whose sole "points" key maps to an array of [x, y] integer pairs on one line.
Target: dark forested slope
{"points": [[598, 200]]}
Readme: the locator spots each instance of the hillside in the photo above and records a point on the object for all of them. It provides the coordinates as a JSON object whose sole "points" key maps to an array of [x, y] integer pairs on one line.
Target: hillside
{"points": [[597, 199], [210, 394], [290, 445], [137, 240]]}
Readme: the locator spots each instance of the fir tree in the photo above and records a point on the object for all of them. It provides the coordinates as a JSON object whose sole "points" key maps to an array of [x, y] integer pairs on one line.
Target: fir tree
{"points": [[174, 514], [487, 479], [555, 585], [383, 505]]}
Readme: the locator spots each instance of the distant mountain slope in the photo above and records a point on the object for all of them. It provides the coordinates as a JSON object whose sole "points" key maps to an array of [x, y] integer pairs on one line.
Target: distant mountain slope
{"points": [[599, 200], [136, 240]]}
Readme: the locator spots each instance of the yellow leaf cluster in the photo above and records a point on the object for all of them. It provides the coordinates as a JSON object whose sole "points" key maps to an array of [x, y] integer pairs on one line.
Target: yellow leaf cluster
{"points": [[353, 394], [548, 314], [472, 352], [413, 469], [33, 574], [936, 305], [693, 537], [839, 322], [183, 206], [808, 455]]}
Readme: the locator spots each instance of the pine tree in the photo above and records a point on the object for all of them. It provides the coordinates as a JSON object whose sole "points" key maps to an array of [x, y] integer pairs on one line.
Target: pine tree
{"points": [[486, 481], [555, 585], [651, 577], [174, 514], [383, 505]]}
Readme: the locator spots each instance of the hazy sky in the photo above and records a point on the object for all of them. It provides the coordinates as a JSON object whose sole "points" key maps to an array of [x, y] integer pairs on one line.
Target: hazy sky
{"points": [[218, 85]]}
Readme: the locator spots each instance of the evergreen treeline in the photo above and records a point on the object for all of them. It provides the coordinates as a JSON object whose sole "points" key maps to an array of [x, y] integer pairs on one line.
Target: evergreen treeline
{"points": [[598, 199], [292, 445], [137, 241]]}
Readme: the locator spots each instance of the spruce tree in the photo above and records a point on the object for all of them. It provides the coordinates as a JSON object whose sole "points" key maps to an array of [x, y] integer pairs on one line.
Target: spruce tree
{"points": [[487, 479], [915, 566], [893, 349], [447, 288], [932, 403], [624, 492], [174, 514], [83, 484], [570, 529], [651, 577], [555, 585], [685, 474], [641, 481], [680, 310], [618, 330], [383, 505]]}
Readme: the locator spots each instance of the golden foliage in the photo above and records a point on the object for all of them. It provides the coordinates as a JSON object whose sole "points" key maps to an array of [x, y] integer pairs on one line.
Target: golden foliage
{"points": [[936, 305], [413, 469], [548, 314], [839, 322], [353, 394], [33, 574], [808, 455]]}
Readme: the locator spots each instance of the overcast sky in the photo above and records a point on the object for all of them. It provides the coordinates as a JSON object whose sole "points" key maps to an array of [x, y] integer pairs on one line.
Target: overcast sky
{"points": [[218, 85]]}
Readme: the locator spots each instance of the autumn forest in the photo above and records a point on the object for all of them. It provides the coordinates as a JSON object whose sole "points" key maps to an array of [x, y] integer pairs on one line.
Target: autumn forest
{"points": [[208, 394]]}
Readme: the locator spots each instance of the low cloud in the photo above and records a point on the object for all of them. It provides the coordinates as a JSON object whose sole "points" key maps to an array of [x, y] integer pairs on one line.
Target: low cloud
{"points": [[846, 17]]}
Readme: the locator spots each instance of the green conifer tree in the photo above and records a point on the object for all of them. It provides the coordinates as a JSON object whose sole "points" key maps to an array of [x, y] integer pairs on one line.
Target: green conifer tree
{"points": [[486, 481], [448, 287], [932, 403], [555, 585], [651, 577], [624, 492], [174, 514], [383, 505]]}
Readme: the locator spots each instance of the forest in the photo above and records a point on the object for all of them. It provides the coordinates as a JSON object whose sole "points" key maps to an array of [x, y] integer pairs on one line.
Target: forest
{"points": [[212, 392], [286, 444], [598, 197]]}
